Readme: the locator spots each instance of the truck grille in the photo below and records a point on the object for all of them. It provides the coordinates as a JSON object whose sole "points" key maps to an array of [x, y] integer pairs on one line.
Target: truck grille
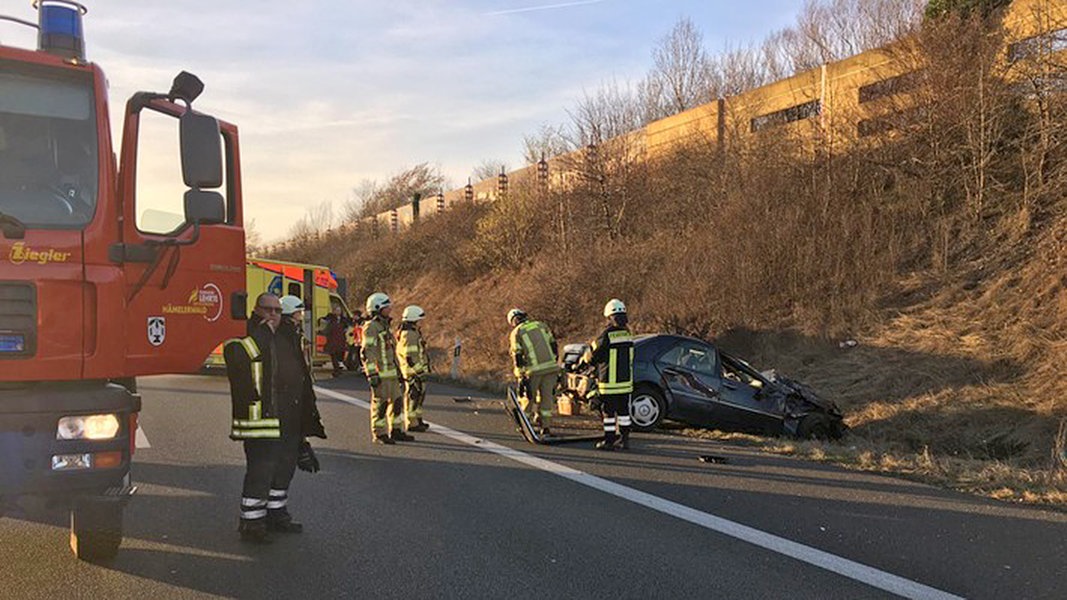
{"points": [[18, 320]]}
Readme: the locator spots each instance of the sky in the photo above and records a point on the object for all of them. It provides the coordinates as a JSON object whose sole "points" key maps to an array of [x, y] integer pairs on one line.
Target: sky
{"points": [[329, 93]]}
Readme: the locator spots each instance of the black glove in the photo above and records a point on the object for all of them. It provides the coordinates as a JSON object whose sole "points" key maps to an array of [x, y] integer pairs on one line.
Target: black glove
{"points": [[374, 380], [306, 459]]}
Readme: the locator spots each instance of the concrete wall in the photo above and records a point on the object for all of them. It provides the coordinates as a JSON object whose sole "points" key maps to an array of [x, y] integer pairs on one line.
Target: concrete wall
{"points": [[784, 107]]}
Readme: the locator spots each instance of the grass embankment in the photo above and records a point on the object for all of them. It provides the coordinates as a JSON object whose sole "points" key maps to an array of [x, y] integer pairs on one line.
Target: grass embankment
{"points": [[953, 381], [941, 251]]}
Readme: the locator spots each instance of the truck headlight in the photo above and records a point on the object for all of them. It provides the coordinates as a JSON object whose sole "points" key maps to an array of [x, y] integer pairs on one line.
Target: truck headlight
{"points": [[90, 427]]}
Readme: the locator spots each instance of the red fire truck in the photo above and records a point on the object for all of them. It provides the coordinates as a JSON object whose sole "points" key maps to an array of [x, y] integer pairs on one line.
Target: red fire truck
{"points": [[99, 282]]}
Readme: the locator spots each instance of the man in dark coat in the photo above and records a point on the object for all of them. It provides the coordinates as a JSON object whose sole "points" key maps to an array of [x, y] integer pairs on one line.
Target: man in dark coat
{"points": [[269, 386]]}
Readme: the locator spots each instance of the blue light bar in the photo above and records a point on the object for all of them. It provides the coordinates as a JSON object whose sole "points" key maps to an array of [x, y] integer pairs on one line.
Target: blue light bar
{"points": [[60, 28]]}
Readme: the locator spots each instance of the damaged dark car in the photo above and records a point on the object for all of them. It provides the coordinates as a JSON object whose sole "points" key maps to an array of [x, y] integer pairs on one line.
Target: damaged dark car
{"points": [[689, 380]]}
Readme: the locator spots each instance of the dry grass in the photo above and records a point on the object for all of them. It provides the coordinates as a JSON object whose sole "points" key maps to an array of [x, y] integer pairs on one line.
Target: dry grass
{"points": [[945, 261], [1001, 480]]}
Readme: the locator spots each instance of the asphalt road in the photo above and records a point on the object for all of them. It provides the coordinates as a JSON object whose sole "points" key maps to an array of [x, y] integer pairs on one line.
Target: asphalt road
{"points": [[469, 510]]}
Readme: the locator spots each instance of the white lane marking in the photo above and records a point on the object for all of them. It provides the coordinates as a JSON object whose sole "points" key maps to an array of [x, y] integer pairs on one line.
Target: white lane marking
{"points": [[140, 439], [831, 562]]}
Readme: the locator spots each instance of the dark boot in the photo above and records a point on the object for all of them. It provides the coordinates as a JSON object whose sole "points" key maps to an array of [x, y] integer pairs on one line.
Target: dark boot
{"points": [[398, 435], [254, 531], [623, 443], [608, 443], [420, 426], [282, 522], [381, 438]]}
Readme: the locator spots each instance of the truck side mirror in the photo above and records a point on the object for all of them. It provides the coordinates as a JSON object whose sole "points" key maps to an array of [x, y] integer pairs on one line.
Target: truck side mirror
{"points": [[201, 149], [204, 207]]}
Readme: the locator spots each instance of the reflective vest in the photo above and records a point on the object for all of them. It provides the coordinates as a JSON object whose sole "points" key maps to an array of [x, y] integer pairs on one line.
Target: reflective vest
{"points": [[255, 426], [410, 345], [615, 367], [531, 345], [379, 349]]}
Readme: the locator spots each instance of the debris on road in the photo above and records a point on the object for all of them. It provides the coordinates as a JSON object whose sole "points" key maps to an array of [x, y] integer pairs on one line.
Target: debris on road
{"points": [[713, 459]]}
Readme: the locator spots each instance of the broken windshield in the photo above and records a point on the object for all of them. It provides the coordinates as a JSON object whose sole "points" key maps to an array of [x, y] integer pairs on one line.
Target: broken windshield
{"points": [[48, 147]]}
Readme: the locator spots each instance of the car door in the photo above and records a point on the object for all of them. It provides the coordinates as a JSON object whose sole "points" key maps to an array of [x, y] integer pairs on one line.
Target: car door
{"points": [[690, 370], [743, 399]]}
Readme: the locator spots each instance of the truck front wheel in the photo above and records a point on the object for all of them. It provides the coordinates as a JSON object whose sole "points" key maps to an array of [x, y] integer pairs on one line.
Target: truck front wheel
{"points": [[96, 529]]}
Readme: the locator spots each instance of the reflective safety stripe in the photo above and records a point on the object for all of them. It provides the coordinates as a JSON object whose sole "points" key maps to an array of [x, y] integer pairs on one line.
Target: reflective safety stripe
{"points": [[379, 350], [251, 347], [536, 343], [411, 346], [253, 502], [620, 364], [256, 434], [276, 504], [252, 350], [624, 421], [388, 364], [256, 424], [252, 515], [257, 376], [255, 427], [616, 388]]}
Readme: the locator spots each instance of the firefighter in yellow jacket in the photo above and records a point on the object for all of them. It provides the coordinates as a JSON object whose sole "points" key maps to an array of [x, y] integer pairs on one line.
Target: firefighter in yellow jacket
{"points": [[612, 353], [414, 366], [378, 351], [533, 353]]}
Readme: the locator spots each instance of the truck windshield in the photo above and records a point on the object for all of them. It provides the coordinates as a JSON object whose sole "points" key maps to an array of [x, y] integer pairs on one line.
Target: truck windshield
{"points": [[48, 147]]}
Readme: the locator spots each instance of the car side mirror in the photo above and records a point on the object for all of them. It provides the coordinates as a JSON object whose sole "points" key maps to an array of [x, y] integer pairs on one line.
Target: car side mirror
{"points": [[204, 207], [201, 149]]}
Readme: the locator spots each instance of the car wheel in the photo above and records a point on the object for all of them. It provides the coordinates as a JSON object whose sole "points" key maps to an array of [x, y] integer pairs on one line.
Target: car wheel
{"points": [[647, 408], [816, 426]]}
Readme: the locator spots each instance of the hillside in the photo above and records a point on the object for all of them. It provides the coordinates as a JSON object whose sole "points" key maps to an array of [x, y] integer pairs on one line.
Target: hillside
{"points": [[937, 248]]}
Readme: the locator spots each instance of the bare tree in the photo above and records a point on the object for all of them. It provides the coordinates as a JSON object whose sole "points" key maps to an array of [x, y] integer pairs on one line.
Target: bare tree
{"points": [[489, 169], [610, 111], [549, 141], [317, 220], [680, 77], [320, 216], [371, 197], [737, 70], [253, 239], [829, 30]]}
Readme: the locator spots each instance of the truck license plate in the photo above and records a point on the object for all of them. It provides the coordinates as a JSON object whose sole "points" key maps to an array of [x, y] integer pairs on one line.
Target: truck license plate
{"points": [[12, 343]]}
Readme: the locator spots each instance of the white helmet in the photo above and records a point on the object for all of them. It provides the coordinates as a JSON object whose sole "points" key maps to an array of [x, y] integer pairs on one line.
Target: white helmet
{"points": [[376, 302], [614, 307], [414, 314], [515, 313], [291, 304]]}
